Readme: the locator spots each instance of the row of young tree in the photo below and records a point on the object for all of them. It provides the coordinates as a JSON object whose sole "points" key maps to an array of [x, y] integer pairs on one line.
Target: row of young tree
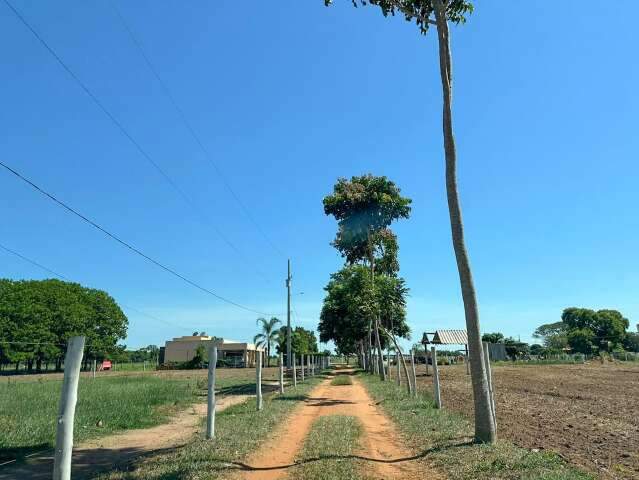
{"points": [[37, 317], [365, 305], [426, 14]]}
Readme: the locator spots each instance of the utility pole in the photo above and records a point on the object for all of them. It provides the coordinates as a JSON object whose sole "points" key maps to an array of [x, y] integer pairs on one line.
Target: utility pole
{"points": [[288, 317]]}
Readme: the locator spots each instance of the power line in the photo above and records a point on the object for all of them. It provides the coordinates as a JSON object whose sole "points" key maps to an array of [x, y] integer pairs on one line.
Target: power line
{"points": [[126, 133], [191, 130], [59, 275], [125, 244]]}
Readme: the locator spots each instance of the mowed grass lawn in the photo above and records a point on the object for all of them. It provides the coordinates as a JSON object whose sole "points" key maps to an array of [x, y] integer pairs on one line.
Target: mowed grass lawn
{"points": [[28, 410]]}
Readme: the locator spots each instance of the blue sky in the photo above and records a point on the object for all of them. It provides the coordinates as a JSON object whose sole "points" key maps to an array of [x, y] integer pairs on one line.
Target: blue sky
{"points": [[288, 96]]}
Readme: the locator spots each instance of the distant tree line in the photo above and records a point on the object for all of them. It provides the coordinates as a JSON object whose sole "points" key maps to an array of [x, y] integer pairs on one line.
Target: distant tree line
{"points": [[580, 330], [587, 331], [37, 317]]}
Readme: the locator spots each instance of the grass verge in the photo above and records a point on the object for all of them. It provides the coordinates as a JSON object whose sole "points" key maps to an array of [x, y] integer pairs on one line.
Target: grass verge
{"points": [[239, 430], [445, 440], [342, 380], [326, 451]]}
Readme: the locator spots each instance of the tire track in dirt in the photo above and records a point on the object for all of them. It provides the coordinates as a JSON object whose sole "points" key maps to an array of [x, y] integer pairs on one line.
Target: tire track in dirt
{"points": [[385, 456]]}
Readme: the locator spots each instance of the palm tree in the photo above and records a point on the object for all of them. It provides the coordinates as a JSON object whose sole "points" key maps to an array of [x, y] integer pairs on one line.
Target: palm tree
{"points": [[268, 335]]}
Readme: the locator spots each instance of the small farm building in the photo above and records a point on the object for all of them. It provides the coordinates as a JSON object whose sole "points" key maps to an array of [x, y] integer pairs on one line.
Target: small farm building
{"points": [[230, 352]]}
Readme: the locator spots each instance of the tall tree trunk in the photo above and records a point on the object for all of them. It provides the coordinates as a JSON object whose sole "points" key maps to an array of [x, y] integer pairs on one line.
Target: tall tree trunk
{"points": [[378, 345], [484, 427], [380, 355]]}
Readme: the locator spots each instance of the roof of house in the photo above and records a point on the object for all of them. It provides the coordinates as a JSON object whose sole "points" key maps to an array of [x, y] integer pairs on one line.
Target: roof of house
{"points": [[446, 337]]}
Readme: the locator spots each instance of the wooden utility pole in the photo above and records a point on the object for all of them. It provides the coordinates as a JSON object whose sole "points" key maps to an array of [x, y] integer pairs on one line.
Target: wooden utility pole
{"points": [[288, 316], [66, 413]]}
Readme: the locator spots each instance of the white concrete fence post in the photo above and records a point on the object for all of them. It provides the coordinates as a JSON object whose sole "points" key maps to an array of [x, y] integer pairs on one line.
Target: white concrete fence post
{"points": [[294, 372], [399, 371], [436, 387], [210, 405], [302, 366], [412, 364], [93, 367], [66, 412], [489, 374], [258, 382], [281, 373]]}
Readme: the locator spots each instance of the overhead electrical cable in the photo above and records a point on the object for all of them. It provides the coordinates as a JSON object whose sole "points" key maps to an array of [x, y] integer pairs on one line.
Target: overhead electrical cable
{"points": [[54, 273], [124, 243], [128, 135], [191, 130]]}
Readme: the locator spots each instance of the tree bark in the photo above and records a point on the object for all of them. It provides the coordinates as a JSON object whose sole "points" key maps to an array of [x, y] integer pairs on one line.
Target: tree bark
{"points": [[484, 427]]}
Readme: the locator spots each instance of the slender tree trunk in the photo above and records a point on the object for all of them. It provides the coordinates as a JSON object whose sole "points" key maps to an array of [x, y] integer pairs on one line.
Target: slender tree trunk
{"points": [[400, 357], [484, 427]]}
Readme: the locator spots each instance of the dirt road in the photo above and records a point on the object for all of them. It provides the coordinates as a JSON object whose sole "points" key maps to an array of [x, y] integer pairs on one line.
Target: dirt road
{"points": [[384, 456], [115, 450]]}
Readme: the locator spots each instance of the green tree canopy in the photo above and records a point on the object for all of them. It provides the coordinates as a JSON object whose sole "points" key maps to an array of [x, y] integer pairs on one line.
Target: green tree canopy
{"points": [[37, 317], [419, 11], [303, 341], [493, 337], [364, 208], [349, 302]]}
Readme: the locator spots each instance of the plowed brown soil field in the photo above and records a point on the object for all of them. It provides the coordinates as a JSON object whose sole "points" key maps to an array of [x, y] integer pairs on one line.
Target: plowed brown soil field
{"points": [[587, 413]]}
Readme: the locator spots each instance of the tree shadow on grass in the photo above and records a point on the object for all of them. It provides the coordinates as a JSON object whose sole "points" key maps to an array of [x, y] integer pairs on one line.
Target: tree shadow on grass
{"points": [[85, 464], [233, 465]]}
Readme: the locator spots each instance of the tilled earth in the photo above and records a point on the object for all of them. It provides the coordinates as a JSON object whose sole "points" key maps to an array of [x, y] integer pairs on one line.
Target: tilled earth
{"points": [[589, 413]]}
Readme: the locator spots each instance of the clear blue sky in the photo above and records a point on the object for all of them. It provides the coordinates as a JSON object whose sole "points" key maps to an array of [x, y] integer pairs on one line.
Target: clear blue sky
{"points": [[288, 96]]}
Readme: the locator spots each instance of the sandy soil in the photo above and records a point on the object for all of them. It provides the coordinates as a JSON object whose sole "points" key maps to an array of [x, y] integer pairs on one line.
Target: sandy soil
{"points": [[385, 457], [105, 453], [587, 413]]}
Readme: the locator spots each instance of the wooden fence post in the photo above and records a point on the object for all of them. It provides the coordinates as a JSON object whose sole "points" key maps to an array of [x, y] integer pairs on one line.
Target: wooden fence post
{"points": [[281, 373], [258, 381], [210, 409], [399, 371], [436, 389], [489, 374], [412, 364], [426, 358], [66, 412]]}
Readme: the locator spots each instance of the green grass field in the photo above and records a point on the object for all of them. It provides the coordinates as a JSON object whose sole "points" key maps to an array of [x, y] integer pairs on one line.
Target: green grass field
{"points": [[28, 409], [445, 440]]}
